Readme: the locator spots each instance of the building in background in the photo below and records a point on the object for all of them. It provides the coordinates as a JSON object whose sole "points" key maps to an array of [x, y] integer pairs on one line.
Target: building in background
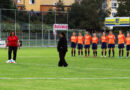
{"points": [[112, 5], [41, 5]]}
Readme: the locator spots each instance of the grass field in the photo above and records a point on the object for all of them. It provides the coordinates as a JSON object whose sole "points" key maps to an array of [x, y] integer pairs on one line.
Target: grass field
{"points": [[37, 69]]}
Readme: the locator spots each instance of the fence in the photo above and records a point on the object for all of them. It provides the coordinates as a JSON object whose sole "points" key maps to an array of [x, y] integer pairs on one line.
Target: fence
{"points": [[34, 29]]}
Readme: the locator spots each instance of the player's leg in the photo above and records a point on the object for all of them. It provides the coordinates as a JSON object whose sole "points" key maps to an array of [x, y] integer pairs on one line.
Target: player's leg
{"points": [[14, 53], [113, 50], [102, 52], [85, 51], [61, 59], [109, 52], [105, 52], [127, 48], [72, 51], [9, 53], [119, 47], [122, 50], [96, 49], [88, 51]]}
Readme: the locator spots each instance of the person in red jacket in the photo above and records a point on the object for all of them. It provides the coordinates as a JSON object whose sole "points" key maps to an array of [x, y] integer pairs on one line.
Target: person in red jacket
{"points": [[12, 44]]}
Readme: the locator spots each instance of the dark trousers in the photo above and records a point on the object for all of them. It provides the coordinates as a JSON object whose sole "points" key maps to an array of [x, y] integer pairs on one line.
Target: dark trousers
{"points": [[14, 50], [62, 61]]}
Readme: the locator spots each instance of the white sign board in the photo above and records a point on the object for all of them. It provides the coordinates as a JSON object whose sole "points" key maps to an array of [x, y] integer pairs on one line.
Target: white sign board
{"points": [[2, 44], [60, 27]]}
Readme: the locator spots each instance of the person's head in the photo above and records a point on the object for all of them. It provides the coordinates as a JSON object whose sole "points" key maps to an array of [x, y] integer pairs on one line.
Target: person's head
{"points": [[12, 33], [110, 32], [120, 32], [80, 34], [94, 34], [104, 34], [87, 33], [128, 34], [74, 34], [62, 34]]}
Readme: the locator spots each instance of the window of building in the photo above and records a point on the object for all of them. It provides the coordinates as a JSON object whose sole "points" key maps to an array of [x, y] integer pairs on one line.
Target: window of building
{"points": [[19, 1], [113, 14], [32, 2]]}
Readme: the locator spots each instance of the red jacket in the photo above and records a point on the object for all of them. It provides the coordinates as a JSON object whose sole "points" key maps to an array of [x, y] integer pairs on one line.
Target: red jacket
{"points": [[12, 41]]}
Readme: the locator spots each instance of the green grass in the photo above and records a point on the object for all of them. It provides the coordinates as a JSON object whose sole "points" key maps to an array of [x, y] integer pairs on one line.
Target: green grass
{"points": [[40, 65]]}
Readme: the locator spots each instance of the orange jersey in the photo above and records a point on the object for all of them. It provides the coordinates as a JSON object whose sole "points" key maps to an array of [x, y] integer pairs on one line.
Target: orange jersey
{"points": [[74, 39], [121, 39], [104, 39], [111, 39], [80, 39], [128, 41], [87, 39], [95, 40]]}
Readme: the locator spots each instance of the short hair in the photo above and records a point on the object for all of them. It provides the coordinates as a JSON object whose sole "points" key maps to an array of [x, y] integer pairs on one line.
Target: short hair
{"points": [[63, 34], [12, 32]]}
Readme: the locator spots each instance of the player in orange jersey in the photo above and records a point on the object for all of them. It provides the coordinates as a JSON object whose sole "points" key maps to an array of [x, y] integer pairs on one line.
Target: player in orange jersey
{"points": [[121, 41], [73, 43], [104, 44], [111, 43], [128, 44], [94, 44], [80, 44], [87, 38]]}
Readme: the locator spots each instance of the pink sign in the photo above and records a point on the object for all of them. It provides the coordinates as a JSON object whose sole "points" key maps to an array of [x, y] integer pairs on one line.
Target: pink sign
{"points": [[60, 27]]}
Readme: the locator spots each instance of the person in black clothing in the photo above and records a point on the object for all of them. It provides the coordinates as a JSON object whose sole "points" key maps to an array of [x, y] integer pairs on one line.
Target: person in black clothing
{"points": [[62, 49]]}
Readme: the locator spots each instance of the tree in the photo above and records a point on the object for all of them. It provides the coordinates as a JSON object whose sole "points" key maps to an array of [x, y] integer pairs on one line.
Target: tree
{"points": [[89, 14], [124, 8], [123, 11], [8, 4]]}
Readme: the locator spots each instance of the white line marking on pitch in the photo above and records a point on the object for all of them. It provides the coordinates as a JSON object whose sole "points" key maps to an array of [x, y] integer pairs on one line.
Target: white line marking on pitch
{"points": [[43, 78]]}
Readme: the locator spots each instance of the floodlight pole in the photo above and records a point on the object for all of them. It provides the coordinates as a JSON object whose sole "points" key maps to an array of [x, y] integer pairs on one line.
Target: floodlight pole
{"points": [[0, 23], [15, 21], [42, 29], [29, 29], [68, 25]]}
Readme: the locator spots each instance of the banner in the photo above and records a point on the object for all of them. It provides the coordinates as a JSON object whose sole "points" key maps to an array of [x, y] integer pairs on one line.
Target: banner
{"points": [[2, 44], [117, 21], [60, 27]]}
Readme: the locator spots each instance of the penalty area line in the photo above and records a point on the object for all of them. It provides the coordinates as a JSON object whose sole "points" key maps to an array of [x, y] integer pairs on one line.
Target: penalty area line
{"points": [[43, 78]]}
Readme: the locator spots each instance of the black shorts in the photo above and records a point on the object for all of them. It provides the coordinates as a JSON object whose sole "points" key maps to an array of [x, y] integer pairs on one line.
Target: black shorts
{"points": [[73, 45], [111, 45], [104, 45], [121, 46], [80, 46], [94, 46], [128, 47], [87, 46]]}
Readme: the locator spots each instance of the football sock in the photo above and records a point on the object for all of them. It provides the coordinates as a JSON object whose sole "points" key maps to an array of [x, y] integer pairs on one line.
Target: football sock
{"points": [[113, 53], [119, 53], [81, 52], [85, 52], [88, 53], [122, 53], [109, 53], [102, 53], [74, 52], [105, 53]]}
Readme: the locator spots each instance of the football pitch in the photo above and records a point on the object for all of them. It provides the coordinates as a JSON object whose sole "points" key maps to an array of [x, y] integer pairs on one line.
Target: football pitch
{"points": [[37, 69]]}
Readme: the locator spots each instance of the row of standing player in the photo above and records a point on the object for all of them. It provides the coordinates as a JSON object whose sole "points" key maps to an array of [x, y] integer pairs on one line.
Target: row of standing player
{"points": [[107, 41]]}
